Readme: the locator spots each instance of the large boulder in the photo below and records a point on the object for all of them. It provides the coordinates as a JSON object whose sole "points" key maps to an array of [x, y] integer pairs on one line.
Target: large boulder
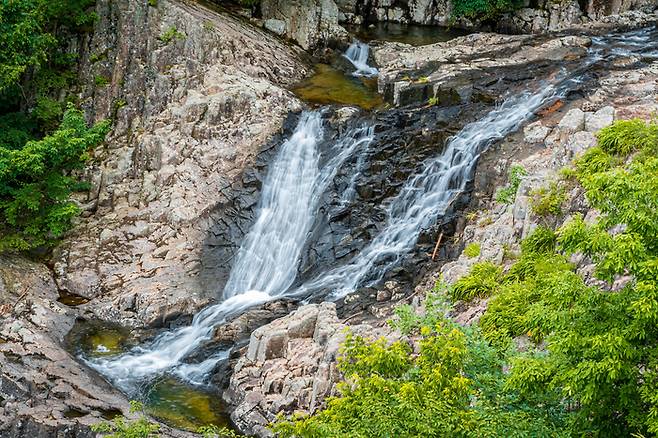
{"points": [[310, 23], [290, 366]]}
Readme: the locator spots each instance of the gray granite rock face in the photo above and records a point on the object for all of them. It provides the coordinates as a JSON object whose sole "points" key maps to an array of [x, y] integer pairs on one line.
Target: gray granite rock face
{"points": [[543, 16], [311, 23], [190, 114], [290, 366], [40, 383]]}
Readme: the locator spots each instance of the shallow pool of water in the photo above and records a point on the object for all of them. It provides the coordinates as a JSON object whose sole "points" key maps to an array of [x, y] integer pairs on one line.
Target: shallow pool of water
{"points": [[416, 35], [185, 407], [329, 85], [97, 339], [171, 401]]}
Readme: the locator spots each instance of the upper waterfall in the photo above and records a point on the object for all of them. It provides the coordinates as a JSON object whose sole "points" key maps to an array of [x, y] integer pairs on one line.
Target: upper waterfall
{"points": [[357, 53]]}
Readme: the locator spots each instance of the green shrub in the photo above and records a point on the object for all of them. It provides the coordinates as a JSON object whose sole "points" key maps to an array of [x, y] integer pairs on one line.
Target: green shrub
{"points": [[453, 387], [98, 57], [171, 34], [208, 25], [507, 194], [101, 81], [472, 250], [36, 182], [541, 241], [433, 101], [153, 3], [122, 427], [48, 113], [483, 279], [483, 9], [600, 348], [213, 431], [436, 307], [626, 136], [547, 201]]}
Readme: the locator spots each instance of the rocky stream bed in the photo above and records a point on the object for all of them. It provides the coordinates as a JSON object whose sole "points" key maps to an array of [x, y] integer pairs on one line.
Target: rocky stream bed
{"points": [[198, 123]]}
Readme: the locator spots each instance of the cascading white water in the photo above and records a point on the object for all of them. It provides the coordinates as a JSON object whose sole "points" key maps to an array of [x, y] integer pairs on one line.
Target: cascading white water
{"points": [[266, 264], [357, 53], [426, 196]]}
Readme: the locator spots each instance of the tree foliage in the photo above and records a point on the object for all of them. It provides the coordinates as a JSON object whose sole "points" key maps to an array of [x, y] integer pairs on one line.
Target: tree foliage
{"points": [[36, 183], [601, 346], [482, 9], [42, 140]]}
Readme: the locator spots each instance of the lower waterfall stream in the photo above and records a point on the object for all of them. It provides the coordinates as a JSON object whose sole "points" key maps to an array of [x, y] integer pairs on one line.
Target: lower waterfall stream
{"points": [[266, 265]]}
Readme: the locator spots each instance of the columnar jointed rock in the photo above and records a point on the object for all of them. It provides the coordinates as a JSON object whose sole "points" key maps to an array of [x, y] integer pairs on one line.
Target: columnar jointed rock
{"points": [[195, 95], [309, 22], [290, 366]]}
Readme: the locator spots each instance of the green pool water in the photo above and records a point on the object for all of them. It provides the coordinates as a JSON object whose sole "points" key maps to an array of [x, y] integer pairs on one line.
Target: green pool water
{"points": [[185, 407], [416, 35], [168, 399], [331, 86]]}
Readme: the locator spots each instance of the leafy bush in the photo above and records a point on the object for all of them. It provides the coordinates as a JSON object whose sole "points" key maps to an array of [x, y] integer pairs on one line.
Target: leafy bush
{"points": [[626, 136], [547, 201], [482, 9], [170, 35], [507, 195], [122, 427], [541, 241], [601, 347], [101, 81], [213, 431], [482, 281], [36, 182], [453, 387], [472, 250]]}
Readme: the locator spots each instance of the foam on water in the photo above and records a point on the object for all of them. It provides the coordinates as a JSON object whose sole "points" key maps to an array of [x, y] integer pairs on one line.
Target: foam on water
{"points": [[357, 53]]}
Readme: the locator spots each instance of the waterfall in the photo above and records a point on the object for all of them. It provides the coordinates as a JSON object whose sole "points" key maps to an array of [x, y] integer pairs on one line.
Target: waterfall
{"points": [[357, 53], [426, 196], [266, 263]]}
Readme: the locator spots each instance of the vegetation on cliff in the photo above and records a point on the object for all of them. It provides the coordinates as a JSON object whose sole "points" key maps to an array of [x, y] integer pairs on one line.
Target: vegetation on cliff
{"points": [[43, 138], [483, 9], [555, 354]]}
